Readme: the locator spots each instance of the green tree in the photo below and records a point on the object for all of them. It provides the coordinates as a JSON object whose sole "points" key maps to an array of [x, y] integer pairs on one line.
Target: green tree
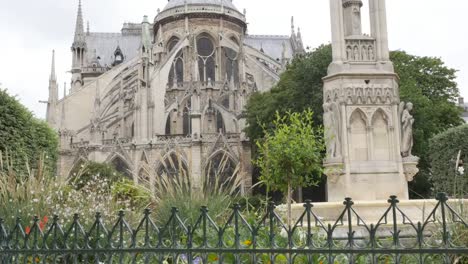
{"points": [[290, 156], [24, 138], [444, 149], [299, 88], [425, 81], [91, 171], [430, 85]]}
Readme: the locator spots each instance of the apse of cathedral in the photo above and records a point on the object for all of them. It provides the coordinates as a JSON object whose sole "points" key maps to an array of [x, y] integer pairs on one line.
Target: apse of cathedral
{"points": [[169, 89]]}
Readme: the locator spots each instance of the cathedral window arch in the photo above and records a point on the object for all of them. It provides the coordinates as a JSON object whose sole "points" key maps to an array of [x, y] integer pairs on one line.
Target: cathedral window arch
{"points": [[173, 165], [380, 136], [121, 166], [206, 52], [359, 149], [221, 170], [231, 65], [186, 122], [176, 74]]}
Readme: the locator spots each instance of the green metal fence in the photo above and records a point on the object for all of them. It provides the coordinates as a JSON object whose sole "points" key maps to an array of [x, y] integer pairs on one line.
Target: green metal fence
{"points": [[441, 238]]}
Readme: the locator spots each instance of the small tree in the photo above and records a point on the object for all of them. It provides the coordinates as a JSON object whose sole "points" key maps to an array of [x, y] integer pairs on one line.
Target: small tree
{"points": [[290, 155]]}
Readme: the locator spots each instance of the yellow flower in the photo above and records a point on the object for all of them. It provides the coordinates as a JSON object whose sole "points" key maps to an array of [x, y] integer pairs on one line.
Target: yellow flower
{"points": [[248, 242]]}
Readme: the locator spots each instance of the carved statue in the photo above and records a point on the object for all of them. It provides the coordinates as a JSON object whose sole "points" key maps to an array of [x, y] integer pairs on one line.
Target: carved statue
{"points": [[349, 53], [407, 121], [331, 122], [371, 53], [356, 53]]}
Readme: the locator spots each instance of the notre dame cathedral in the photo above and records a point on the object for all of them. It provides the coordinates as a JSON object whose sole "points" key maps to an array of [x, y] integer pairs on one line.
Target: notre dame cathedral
{"points": [[173, 87]]}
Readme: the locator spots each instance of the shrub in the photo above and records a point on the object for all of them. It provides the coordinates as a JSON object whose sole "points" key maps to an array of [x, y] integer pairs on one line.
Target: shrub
{"points": [[444, 149], [24, 138]]}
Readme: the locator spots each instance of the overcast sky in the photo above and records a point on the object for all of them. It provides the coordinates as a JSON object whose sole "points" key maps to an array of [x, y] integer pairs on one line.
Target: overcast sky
{"points": [[31, 29]]}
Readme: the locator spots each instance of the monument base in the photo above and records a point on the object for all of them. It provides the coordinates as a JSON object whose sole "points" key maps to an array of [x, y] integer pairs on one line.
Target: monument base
{"points": [[372, 211]]}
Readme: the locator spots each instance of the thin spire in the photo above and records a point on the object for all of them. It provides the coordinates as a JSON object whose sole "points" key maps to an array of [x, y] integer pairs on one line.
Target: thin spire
{"points": [[53, 76], [79, 29], [292, 26]]}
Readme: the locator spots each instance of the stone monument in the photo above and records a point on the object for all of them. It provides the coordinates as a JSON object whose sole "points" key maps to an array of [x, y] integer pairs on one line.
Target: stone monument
{"points": [[368, 130]]}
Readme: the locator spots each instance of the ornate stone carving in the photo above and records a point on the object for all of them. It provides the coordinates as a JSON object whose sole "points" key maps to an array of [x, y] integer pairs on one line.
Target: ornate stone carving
{"points": [[407, 121], [332, 124], [360, 50], [410, 168], [334, 171]]}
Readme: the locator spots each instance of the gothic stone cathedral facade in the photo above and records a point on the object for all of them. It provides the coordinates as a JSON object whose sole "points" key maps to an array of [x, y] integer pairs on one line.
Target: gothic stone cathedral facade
{"points": [[176, 87]]}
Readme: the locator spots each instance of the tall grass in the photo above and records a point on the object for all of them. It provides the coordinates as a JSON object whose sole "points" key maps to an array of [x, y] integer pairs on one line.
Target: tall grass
{"points": [[188, 193]]}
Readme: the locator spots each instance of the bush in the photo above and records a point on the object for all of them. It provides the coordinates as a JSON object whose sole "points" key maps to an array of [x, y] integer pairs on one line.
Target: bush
{"points": [[444, 149], [90, 170], [24, 138]]}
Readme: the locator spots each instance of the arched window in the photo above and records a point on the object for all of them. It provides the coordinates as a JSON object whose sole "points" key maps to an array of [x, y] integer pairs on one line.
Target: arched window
{"points": [[121, 166], [381, 148], [173, 166], [220, 123], [187, 124], [359, 145], [176, 75], [172, 43], [206, 58], [168, 125], [222, 171], [231, 65]]}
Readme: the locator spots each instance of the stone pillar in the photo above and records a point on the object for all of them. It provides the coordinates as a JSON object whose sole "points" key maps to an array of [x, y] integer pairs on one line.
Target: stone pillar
{"points": [[363, 132]]}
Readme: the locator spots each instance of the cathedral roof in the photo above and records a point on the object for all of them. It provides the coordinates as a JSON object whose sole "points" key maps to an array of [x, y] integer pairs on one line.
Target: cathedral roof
{"points": [[271, 45], [177, 3], [105, 45]]}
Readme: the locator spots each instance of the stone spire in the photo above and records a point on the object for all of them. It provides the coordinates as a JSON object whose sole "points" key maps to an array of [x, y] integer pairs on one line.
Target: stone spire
{"points": [[79, 27], [53, 76], [79, 50], [51, 115]]}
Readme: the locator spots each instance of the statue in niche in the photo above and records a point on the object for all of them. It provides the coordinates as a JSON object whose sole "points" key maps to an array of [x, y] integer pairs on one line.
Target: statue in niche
{"points": [[364, 52], [356, 53], [349, 53], [331, 123], [407, 121], [371, 53]]}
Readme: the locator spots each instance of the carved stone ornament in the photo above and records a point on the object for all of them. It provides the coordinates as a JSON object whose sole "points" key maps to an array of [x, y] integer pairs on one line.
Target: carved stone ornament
{"points": [[334, 172], [410, 167]]}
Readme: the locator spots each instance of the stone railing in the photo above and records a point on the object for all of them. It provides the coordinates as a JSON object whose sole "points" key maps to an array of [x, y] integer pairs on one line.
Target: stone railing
{"points": [[78, 145], [360, 49], [193, 9]]}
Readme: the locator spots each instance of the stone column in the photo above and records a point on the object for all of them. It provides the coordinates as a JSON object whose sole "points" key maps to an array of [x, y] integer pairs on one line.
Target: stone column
{"points": [[336, 9]]}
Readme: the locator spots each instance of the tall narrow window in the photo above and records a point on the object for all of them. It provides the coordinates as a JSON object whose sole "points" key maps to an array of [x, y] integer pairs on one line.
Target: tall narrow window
{"points": [[231, 65], [206, 59], [176, 75], [168, 125], [187, 128], [220, 123]]}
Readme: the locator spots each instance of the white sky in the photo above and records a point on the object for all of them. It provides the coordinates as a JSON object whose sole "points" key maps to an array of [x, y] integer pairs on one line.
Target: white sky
{"points": [[30, 29]]}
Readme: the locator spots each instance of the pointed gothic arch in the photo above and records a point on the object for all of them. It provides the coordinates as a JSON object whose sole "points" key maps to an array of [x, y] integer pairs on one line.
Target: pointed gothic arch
{"points": [[206, 52], [77, 167], [221, 169], [380, 136], [121, 165], [359, 145], [173, 164]]}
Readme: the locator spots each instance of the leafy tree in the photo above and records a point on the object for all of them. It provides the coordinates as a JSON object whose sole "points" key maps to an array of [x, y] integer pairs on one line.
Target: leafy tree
{"points": [[425, 81], [290, 156], [299, 88], [24, 138], [430, 85], [444, 149]]}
